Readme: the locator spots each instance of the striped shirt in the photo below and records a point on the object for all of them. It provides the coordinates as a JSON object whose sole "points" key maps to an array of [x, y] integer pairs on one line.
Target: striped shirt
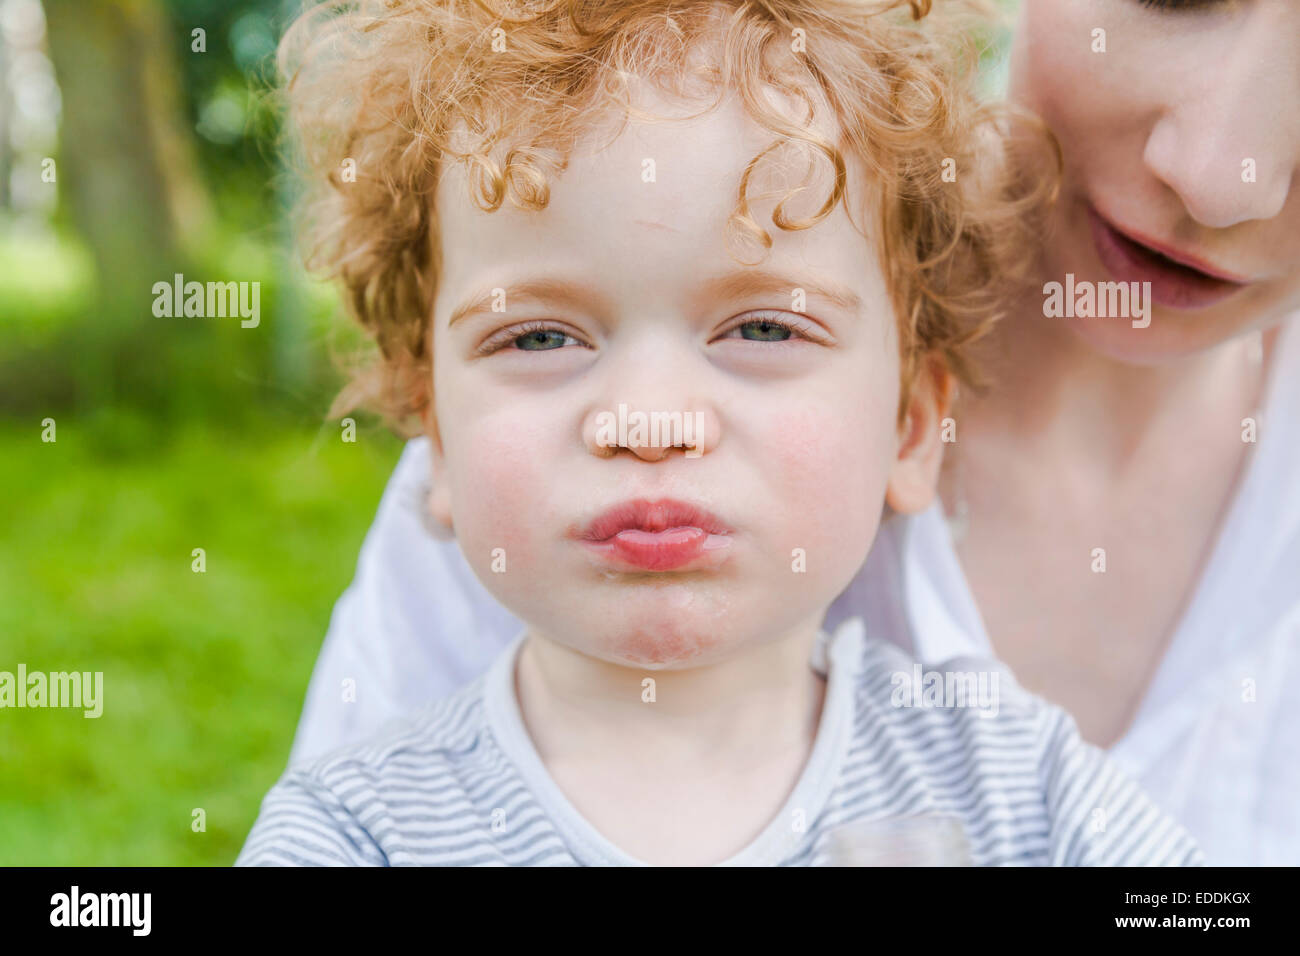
{"points": [[1000, 779]]}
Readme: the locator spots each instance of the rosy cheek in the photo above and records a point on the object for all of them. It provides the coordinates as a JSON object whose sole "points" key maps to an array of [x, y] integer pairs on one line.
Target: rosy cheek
{"points": [[803, 456], [501, 497], [825, 465]]}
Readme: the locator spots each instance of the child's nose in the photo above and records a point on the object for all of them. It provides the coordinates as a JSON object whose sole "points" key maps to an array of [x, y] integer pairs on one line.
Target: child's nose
{"points": [[651, 431]]}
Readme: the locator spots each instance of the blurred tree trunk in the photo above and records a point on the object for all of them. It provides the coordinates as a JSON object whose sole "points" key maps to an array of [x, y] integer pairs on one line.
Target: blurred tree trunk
{"points": [[126, 168], [6, 150]]}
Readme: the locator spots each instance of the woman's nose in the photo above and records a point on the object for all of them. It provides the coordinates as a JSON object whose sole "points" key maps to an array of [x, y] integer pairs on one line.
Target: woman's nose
{"points": [[1230, 146]]}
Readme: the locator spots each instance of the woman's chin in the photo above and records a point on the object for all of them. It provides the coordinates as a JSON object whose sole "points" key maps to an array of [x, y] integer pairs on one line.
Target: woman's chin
{"points": [[1169, 337]]}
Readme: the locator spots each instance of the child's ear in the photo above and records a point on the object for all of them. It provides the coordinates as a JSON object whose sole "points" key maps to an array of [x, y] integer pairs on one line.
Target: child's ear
{"points": [[915, 475], [438, 502]]}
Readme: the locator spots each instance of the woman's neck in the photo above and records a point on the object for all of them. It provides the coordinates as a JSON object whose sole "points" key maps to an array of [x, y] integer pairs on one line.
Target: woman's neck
{"points": [[1054, 391]]}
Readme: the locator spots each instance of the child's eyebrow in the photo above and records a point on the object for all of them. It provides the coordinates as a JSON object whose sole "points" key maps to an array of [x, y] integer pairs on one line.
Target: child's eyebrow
{"points": [[745, 282], [562, 291], [732, 285]]}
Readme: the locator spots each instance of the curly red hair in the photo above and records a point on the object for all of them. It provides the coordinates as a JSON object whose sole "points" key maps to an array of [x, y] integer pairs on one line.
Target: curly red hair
{"points": [[394, 86]]}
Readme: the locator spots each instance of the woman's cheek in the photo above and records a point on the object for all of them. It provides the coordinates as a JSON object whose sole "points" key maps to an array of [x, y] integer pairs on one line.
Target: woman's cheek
{"points": [[1071, 47], [1054, 59]]}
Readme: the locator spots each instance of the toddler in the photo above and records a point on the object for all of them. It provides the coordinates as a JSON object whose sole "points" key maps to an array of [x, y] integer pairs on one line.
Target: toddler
{"points": [[679, 293]]}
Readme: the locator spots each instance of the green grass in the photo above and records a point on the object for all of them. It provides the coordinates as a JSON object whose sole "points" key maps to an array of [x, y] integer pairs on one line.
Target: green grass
{"points": [[204, 674]]}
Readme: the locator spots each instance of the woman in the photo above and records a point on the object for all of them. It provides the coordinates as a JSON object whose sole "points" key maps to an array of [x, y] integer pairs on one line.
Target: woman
{"points": [[1125, 502]]}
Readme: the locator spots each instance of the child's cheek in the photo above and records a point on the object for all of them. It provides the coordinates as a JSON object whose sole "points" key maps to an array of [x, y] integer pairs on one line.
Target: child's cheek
{"points": [[505, 495], [828, 463]]}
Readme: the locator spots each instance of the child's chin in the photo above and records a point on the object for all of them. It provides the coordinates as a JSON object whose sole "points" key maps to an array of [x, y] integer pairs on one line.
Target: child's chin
{"points": [[667, 625], [668, 645]]}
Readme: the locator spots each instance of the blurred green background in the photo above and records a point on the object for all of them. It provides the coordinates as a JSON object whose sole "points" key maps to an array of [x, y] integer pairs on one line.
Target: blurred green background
{"points": [[171, 433], [133, 148]]}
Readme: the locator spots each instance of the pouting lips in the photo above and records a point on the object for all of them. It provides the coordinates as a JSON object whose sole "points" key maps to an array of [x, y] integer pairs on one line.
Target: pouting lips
{"points": [[651, 516], [662, 535]]}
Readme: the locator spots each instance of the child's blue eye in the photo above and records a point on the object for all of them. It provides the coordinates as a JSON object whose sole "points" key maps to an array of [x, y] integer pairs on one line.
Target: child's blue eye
{"points": [[541, 341], [545, 337], [529, 337], [768, 327], [764, 331]]}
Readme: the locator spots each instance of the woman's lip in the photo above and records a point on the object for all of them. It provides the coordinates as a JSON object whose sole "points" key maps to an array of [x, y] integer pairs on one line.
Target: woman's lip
{"points": [[1177, 280], [1169, 252]]}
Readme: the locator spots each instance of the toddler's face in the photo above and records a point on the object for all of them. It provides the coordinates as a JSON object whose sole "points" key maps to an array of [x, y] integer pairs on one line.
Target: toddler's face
{"points": [[622, 293]]}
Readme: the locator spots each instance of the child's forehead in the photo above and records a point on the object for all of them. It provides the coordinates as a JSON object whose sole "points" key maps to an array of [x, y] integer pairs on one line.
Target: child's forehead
{"points": [[649, 195], [658, 140], [642, 213], [680, 177]]}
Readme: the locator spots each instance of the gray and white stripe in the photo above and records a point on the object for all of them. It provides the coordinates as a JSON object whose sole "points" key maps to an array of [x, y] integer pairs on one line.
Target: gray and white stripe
{"points": [[440, 789]]}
